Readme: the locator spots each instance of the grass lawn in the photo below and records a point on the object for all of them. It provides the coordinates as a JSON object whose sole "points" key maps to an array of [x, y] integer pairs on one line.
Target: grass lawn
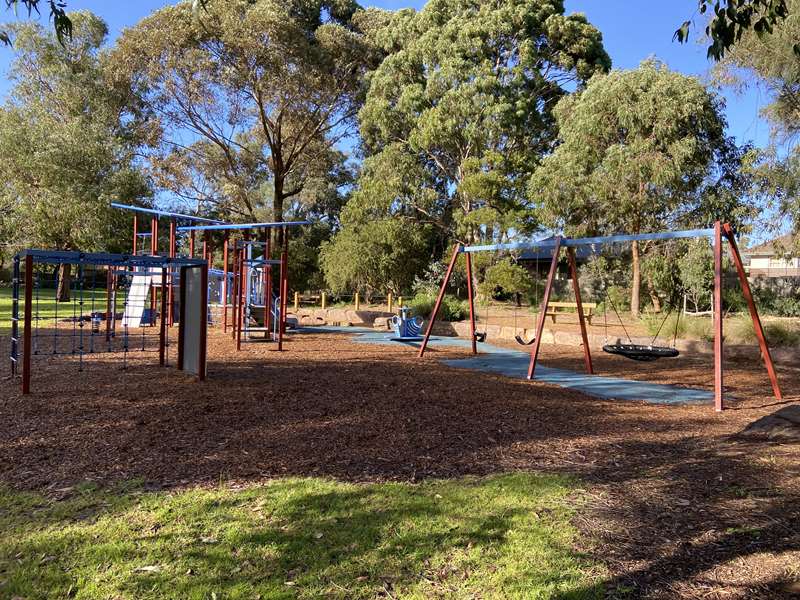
{"points": [[47, 306], [506, 536]]}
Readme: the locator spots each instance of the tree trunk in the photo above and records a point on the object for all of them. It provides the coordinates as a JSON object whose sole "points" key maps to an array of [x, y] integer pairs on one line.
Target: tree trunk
{"points": [[651, 291], [64, 282], [636, 284]]}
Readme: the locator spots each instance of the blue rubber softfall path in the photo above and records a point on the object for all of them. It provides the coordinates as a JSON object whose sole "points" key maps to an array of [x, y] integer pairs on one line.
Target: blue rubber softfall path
{"points": [[514, 363]]}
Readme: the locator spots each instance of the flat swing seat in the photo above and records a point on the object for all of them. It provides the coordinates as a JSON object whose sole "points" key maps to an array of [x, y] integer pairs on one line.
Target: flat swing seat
{"points": [[641, 352]]}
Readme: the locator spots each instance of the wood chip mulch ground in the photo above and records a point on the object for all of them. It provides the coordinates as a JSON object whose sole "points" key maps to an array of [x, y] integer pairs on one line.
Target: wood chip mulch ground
{"points": [[679, 503]]}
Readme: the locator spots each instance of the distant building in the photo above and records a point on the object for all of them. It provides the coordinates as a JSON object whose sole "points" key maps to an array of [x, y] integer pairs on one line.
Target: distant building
{"points": [[770, 258]]}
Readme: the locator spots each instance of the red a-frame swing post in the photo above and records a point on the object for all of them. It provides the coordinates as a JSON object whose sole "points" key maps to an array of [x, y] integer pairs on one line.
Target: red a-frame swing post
{"points": [[439, 299], [548, 288], [573, 268], [471, 297], [727, 231], [718, 349]]}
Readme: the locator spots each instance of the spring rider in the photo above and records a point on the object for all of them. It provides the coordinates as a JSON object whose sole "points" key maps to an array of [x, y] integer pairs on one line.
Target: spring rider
{"points": [[407, 328]]}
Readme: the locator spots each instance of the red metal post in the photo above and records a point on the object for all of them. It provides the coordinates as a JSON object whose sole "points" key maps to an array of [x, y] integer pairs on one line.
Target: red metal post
{"points": [[162, 332], [471, 299], [172, 252], [240, 314], [268, 283], [135, 232], [573, 268], [26, 331], [201, 368], [181, 316], [225, 290], [109, 285], [718, 349], [236, 283], [751, 305], [439, 299], [548, 288], [191, 244], [266, 291], [154, 236], [285, 288]]}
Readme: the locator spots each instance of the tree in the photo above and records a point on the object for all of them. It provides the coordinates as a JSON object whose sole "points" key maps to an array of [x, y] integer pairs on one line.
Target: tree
{"points": [[66, 146], [733, 19], [640, 151], [459, 112], [770, 62], [260, 89]]}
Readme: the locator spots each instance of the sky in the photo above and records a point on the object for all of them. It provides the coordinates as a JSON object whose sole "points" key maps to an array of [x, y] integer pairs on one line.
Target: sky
{"points": [[632, 32]]}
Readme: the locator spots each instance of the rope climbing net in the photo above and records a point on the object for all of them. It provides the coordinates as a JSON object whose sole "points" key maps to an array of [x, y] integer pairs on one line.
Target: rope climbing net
{"points": [[73, 304]]}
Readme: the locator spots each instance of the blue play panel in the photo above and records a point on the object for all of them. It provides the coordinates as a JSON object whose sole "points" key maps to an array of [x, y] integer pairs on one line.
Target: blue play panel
{"points": [[514, 363]]}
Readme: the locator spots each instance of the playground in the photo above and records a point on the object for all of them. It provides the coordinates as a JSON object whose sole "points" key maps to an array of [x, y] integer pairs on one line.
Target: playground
{"points": [[692, 496]]}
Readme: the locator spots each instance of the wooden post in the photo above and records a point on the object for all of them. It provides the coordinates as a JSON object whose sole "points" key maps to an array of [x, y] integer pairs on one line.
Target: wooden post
{"points": [[548, 288], [323, 298], [242, 285], [201, 368], [296, 302], [235, 295], [181, 316], [751, 305], [268, 282], [389, 301], [399, 302], [471, 299], [154, 236], [718, 349], [26, 327], [285, 287], [439, 299], [191, 244], [282, 287], [357, 301], [587, 355]]}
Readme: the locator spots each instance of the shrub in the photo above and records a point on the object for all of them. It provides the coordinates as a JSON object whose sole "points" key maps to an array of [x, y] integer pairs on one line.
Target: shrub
{"points": [[741, 331], [697, 328], [452, 309]]}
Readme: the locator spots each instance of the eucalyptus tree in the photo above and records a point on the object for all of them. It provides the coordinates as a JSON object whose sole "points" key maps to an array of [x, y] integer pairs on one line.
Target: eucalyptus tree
{"points": [[640, 150], [67, 143], [459, 112], [254, 90]]}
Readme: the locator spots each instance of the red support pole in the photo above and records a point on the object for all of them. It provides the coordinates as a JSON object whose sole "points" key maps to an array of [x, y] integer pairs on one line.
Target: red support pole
{"points": [[224, 288], [471, 298], [281, 301], [172, 253], [109, 285], [182, 316], [191, 244], [26, 331], [201, 368], [751, 305], [548, 288], [439, 299], [154, 236], [268, 283], [718, 350], [236, 283], [573, 268], [285, 288], [162, 337], [240, 314], [135, 232]]}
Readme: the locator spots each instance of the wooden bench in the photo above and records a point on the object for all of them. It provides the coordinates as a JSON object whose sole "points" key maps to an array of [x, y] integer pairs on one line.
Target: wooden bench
{"points": [[553, 309]]}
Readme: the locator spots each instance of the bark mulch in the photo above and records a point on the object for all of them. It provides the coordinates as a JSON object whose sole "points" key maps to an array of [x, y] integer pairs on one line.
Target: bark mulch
{"points": [[678, 503]]}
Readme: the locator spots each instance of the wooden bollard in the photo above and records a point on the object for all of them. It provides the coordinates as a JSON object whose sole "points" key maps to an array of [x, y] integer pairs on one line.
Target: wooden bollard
{"points": [[399, 302], [324, 301], [296, 301], [389, 301], [357, 301]]}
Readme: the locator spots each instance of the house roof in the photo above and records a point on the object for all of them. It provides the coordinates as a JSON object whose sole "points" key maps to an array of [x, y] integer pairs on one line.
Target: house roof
{"points": [[779, 245]]}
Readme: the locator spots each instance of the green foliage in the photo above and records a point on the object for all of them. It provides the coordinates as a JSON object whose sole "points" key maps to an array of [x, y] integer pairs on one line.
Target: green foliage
{"points": [[507, 535], [696, 268], [695, 328], [374, 256], [67, 147], [732, 19], [459, 112], [264, 89], [741, 331], [771, 302], [506, 278], [452, 308]]}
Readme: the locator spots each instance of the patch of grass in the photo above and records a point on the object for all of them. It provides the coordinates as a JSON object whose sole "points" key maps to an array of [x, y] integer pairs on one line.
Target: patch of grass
{"points": [[740, 330], [47, 306], [506, 536], [696, 328]]}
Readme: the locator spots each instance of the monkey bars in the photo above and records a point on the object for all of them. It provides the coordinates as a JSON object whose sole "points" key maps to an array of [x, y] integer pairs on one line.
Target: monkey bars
{"points": [[716, 234]]}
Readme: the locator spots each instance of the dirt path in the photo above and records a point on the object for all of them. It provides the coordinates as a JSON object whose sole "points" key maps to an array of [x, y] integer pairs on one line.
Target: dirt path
{"points": [[679, 505]]}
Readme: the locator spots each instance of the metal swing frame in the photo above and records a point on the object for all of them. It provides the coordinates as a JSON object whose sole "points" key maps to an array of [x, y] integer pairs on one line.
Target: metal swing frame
{"points": [[717, 234]]}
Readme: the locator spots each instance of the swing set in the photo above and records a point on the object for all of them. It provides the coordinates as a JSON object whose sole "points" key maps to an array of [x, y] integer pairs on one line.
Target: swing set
{"points": [[641, 353]]}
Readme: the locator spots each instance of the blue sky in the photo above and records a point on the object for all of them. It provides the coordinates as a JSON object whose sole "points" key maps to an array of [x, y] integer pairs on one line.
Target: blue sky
{"points": [[632, 31]]}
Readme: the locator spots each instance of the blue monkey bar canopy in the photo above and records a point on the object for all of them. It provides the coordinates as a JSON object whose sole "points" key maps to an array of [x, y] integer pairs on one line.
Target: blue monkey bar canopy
{"points": [[57, 257], [233, 226], [164, 213]]}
